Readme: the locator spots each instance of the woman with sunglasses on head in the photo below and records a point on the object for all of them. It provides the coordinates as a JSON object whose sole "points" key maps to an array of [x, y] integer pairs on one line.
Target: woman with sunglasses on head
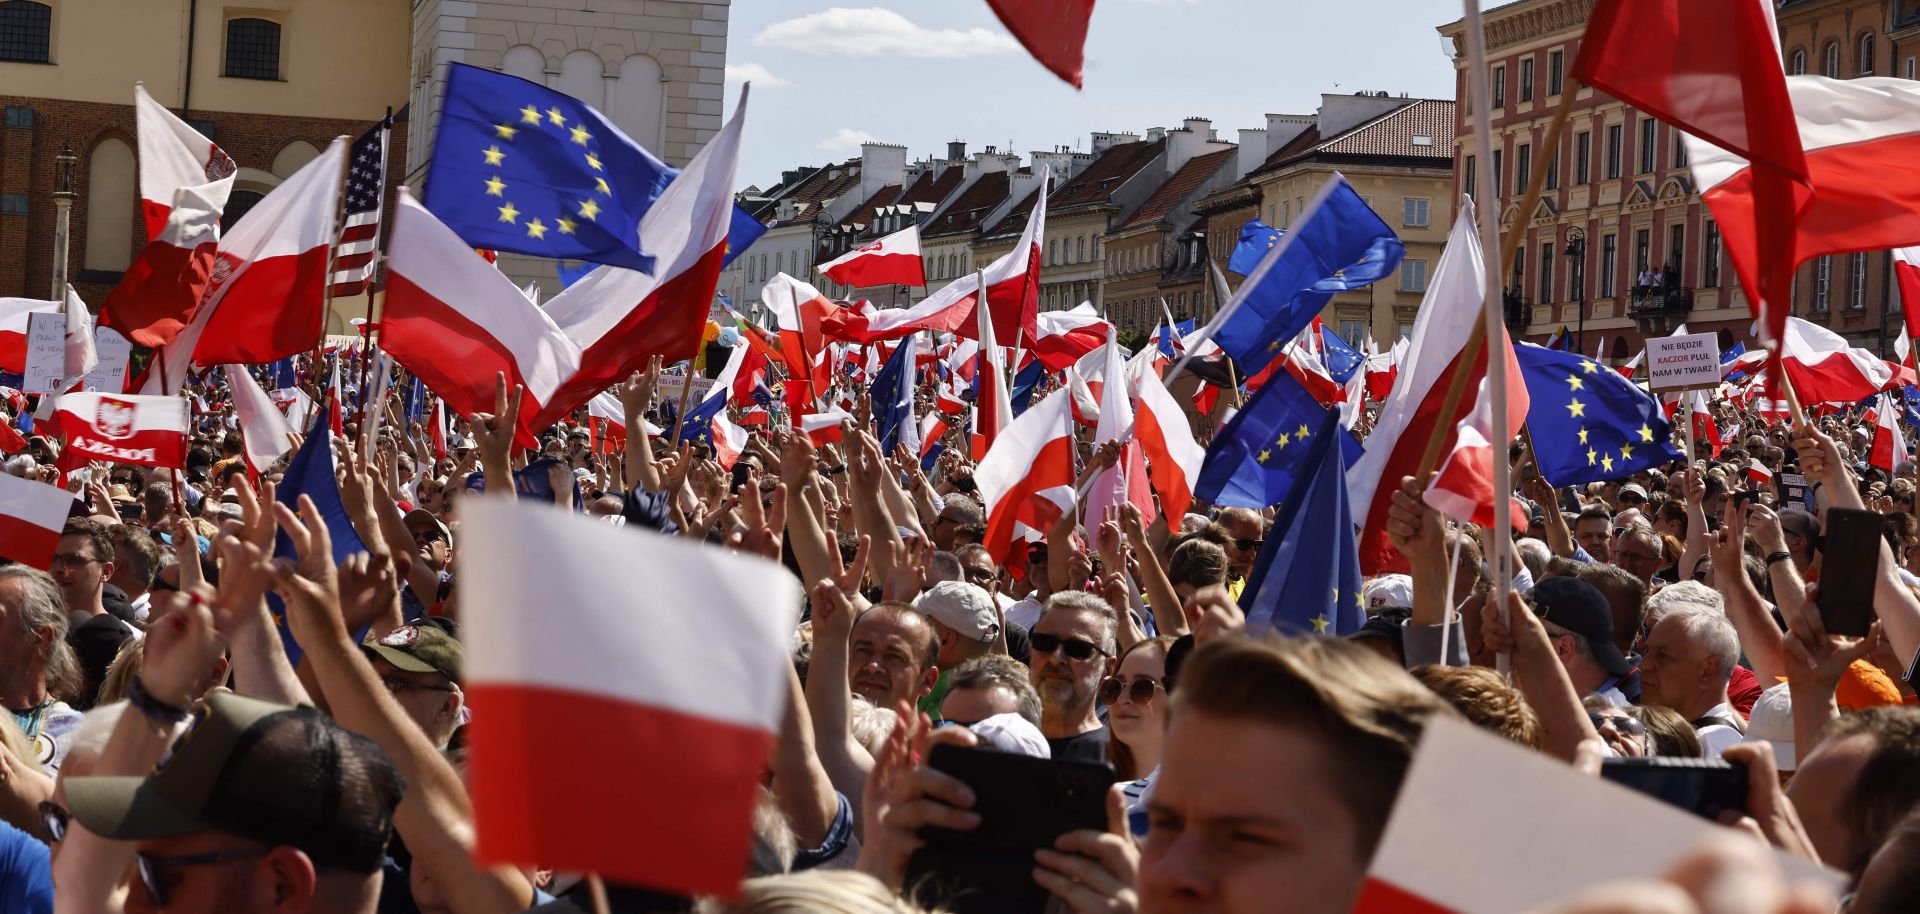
{"points": [[1136, 700]]}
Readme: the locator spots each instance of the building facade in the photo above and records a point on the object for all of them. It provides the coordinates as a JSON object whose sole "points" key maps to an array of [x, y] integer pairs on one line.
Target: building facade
{"points": [[271, 82]]}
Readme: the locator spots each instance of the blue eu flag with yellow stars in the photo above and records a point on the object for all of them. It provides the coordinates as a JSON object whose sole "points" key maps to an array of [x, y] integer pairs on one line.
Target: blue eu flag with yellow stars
{"points": [[1253, 460], [697, 427], [1256, 238], [1307, 578], [520, 167], [1587, 422]]}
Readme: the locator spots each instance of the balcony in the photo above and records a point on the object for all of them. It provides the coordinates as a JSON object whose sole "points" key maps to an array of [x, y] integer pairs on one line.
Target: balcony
{"points": [[1518, 312], [1658, 310]]}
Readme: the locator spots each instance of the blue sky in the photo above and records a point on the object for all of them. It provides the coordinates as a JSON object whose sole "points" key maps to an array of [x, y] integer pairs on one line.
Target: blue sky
{"points": [[921, 72]]}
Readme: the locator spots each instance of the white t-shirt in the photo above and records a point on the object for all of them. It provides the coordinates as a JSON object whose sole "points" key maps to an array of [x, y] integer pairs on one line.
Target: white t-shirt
{"points": [[1715, 738], [1024, 613]]}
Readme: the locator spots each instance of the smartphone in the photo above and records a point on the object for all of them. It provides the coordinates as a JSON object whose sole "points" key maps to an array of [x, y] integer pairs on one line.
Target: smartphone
{"points": [[1025, 804], [1745, 497], [1849, 566], [1704, 787], [740, 471]]}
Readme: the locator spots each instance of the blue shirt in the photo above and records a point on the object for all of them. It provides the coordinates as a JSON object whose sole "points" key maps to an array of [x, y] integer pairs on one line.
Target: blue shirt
{"points": [[26, 873]]}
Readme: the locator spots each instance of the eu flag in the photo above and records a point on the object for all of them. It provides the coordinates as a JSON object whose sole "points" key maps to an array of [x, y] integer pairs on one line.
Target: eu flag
{"points": [[892, 394], [310, 473], [742, 231], [1172, 336], [1023, 384], [1588, 423], [698, 424], [1307, 578], [1253, 460], [520, 167], [1339, 245], [1341, 359], [1256, 239]]}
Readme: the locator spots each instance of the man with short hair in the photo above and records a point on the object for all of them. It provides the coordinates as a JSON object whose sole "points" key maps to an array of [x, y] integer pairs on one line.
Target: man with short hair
{"points": [[1254, 712], [215, 846], [1073, 649], [966, 622], [986, 686], [1581, 629], [1637, 550], [1800, 529], [1593, 533], [1626, 598], [82, 563], [420, 667], [1857, 784], [1246, 532], [894, 655], [1690, 657], [955, 511], [433, 549], [136, 561]]}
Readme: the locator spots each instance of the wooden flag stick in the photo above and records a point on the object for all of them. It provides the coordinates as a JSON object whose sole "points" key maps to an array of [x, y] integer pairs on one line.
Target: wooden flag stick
{"points": [[680, 415]]}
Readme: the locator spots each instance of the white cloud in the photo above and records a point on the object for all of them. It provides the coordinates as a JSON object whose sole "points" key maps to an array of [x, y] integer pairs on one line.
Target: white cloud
{"points": [[753, 73], [846, 138], [874, 32]]}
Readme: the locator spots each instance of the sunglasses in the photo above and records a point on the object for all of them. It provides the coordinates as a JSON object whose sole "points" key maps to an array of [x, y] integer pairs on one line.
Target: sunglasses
{"points": [[1076, 648], [1632, 726], [56, 818], [1139, 691], [150, 868], [428, 536], [1247, 545]]}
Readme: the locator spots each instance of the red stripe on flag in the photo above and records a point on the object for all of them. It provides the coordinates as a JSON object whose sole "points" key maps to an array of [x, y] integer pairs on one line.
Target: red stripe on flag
{"points": [[696, 775], [26, 542], [1381, 897]]}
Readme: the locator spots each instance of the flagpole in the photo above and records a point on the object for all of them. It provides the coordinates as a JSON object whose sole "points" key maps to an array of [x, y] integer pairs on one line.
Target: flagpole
{"points": [[680, 415]]}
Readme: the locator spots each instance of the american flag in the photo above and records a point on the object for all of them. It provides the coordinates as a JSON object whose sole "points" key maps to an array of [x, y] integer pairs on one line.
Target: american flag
{"points": [[366, 190]]}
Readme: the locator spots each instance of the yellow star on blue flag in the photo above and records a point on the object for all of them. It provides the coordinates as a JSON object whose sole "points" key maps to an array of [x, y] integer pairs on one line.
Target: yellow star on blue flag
{"points": [[1609, 428]]}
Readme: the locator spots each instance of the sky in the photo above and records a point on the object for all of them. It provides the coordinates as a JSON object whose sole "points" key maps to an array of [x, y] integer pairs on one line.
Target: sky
{"points": [[919, 73]]}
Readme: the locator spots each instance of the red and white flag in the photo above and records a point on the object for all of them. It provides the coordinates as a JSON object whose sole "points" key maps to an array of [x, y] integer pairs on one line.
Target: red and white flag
{"points": [[263, 430], [608, 678], [32, 514], [457, 325], [1053, 31], [1064, 337], [1889, 442], [1906, 277], [1126, 481], [1414, 410], [184, 183], [824, 427], [1758, 471], [13, 329], [729, 441], [1173, 456], [1462, 486], [801, 313], [992, 404], [336, 405], [1824, 368], [78, 356], [890, 260], [148, 431], [621, 318], [1026, 481]]}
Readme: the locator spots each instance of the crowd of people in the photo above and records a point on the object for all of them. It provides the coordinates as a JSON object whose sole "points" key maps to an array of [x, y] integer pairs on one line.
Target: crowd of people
{"points": [[169, 752]]}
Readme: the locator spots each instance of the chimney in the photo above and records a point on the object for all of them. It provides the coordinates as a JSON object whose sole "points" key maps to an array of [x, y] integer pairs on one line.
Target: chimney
{"points": [[1253, 151], [1283, 128], [956, 150], [1194, 137], [1156, 134], [881, 164]]}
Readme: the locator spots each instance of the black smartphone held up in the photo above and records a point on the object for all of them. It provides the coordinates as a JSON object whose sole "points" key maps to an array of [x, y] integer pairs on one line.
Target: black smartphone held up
{"points": [[1704, 787], [1849, 566], [1025, 804], [1745, 497]]}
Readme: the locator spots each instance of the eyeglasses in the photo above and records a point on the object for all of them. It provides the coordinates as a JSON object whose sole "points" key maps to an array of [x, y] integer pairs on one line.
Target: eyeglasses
{"points": [[1247, 545], [395, 684], [1632, 726], [1076, 648], [69, 560], [979, 574], [1139, 691], [55, 817], [150, 868], [430, 535]]}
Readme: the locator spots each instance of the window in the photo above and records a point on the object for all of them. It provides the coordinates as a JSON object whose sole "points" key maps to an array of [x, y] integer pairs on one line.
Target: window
{"points": [[1856, 281], [1405, 330], [1286, 211], [1353, 332], [1679, 149], [1546, 274], [1467, 173], [1583, 157], [1523, 175], [1910, 68], [1556, 63], [1642, 250], [1414, 212], [1677, 248], [1499, 187], [1053, 252], [1646, 144], [1609, 256], [1081, 257], [1553, 170], [238, 203], [1710, 258], [14, 204], [1613, 150], [779, 261], [1822, 282], [19, 116], [1866, 54], [1797, 66], [1413, 276], [1831, 67], [1500, 86], [26, 31], [1526, 80], [253, 49]]}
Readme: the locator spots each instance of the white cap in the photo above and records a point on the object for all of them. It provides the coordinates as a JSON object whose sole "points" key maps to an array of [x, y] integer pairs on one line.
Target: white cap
{"points": [[1388, 590], [1772, 721], [1010, 732], [963, 607]]}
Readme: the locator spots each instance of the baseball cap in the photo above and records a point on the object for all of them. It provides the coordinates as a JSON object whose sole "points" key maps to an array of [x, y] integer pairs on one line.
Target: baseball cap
{"points": [[419, 649], [1633, 490], [266, 772], [1578, 607], [1009, 732], [963, 607], [1388, 590], [1772, 722], [422, 515], [1864, 686]]}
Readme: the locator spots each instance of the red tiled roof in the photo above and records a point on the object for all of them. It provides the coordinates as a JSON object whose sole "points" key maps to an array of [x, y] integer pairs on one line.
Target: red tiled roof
{"points": [[823, 186], [863, 214], [933, 188], [1191, 175], [1392, 135], [966, 213], [1106, 174], [1016, 218]]}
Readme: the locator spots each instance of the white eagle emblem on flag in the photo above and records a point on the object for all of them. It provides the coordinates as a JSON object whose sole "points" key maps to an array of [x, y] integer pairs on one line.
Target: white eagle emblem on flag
{"points": [[114, 418]]}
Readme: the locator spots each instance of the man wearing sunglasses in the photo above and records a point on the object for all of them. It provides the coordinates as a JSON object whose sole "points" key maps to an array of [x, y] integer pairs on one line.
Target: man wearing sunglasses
{"points": [[1246, 532], [1073, 648], [420, 667]]}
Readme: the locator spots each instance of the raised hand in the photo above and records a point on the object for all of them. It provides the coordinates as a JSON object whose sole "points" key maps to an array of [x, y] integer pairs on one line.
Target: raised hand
{"points": [[764, 527], [310, 585], [637, 393]]}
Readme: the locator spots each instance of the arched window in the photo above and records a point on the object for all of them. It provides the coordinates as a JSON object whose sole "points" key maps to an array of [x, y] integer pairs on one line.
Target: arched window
{"points": [[253, 48], [1866, 53], [584, 77], [639, 103], [111, 192], [1831, 67], [238, 203], [293, 157], [26, 31], [1052, 253], [526, 62], [1797, 64], [1082, 257]]}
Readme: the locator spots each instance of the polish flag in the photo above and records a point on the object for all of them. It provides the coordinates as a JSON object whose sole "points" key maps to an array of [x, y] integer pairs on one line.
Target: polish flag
{"points": [[802, 314], [13, 329], [1825, 369], [933, 428], [184, 183], [992, 405], [729, 440], [263, 429], [1758, 472], [439, 428], [824, 427], [621, 318], [1065, 337], [336, 409], [1448, 315], [609, 682], [892, 260], [1906, 273], [78, 356], [147, 431], [1026, 481], [1013, 294], [1462, 487], [267, 296], [457, 325], [1175, 458], [1053, 31], [1126, 481], [1861, 136], [1889, 443], [32, 514]]}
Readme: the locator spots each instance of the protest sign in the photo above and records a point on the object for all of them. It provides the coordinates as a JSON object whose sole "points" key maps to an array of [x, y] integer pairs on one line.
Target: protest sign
{"points": [[46, 351], [1690, 362]]}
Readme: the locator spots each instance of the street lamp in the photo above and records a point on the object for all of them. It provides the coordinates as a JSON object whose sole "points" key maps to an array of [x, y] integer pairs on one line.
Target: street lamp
{"points": [[64, 193], [1576, 252]]}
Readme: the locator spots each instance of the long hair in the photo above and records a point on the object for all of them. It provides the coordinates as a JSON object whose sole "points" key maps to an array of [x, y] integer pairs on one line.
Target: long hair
{"points": [[1125, 766]]}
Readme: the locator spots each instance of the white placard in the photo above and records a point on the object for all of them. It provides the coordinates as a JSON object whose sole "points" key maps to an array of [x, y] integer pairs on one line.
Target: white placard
{"points": [[46, 352], [1684, 362], [670, 385], [114, 350]]}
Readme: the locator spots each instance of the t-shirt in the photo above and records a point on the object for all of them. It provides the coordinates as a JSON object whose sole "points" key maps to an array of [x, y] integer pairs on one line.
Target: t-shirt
{"points": [[1090, 746], [26, 874], [1715, 738], [1024, 613], [47, 726]]}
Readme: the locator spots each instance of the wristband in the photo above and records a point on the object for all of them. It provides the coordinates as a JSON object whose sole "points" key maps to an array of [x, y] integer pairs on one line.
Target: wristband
{"points": [[157, 711], [1773, 557]]}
